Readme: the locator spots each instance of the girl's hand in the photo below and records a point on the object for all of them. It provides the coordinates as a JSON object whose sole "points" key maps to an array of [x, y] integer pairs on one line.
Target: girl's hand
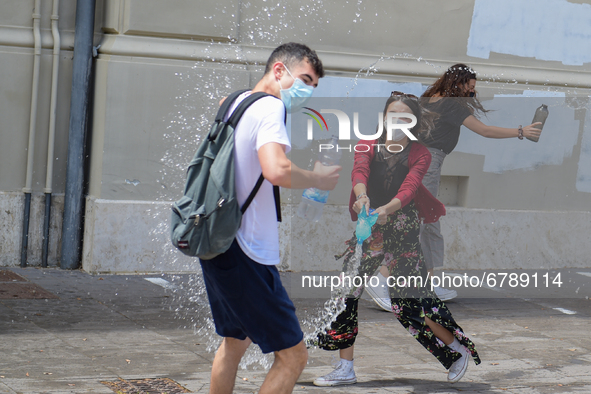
{"points": [[382, 215], [531, 131], [361, 203]]}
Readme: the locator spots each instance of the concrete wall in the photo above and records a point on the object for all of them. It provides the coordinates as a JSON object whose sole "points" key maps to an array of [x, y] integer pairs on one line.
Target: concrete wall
{"points": [[164, 64]]}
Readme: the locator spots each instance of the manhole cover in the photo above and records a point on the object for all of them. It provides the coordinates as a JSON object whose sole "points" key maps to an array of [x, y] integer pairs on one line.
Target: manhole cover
{"points": [[146, 386], [15, 287], [26, 291], [9, 276]]}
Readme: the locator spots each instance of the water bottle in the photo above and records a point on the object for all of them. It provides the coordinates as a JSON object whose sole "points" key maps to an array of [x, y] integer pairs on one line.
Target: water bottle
{"points": [[313, 199], [540, 116]]}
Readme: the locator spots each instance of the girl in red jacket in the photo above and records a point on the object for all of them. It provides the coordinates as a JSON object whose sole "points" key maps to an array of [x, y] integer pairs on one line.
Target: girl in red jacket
{"points": [[387, 176]]}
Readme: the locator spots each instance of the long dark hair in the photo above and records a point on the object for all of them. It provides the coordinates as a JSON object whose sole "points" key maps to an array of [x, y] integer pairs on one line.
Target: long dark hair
{"points": [[451, 84], [425, 118]]}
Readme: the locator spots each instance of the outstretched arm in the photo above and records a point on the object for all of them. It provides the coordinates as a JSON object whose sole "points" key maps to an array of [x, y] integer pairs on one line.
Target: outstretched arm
{"points": [[500, 132], [280, 171]]}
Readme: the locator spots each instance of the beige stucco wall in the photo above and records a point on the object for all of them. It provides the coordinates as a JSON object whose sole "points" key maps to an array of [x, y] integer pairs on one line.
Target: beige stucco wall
{"points": [[16, 63], [163, 65]]}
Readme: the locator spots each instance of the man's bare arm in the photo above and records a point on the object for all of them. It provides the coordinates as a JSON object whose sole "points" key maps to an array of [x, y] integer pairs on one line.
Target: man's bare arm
{"points": [[280, 171]]}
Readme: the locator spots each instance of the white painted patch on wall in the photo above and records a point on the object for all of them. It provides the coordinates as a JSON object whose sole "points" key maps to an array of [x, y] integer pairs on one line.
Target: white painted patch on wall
{"points": [[559, 137], [558, 140], [554, 30], [344, 87]]}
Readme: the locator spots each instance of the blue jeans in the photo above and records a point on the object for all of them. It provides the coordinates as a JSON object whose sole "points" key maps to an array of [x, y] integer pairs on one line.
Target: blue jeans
{"points": [[430, 235]]}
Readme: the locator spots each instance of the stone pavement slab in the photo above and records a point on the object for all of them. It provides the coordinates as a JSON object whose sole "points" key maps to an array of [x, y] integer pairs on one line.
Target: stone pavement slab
{"points": [[104, 328]]}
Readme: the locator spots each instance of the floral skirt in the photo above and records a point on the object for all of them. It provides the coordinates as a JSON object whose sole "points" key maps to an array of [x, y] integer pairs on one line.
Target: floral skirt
{"points": [[396, 245]]}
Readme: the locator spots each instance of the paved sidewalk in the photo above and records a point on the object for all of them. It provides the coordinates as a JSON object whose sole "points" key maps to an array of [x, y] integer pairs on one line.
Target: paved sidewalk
{"points": [[107, 328]]}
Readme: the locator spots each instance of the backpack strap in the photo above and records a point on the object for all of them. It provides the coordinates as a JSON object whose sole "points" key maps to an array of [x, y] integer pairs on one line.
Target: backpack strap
{"points": [[233, 121], [227, 104], [276, 194], [243, 106], [276, 197], [224, 108], [253, 193]]}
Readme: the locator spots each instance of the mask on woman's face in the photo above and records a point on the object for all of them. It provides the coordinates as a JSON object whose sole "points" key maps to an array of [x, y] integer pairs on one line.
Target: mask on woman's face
{"points": [[397, 134], [471, 94], [297, 95]]}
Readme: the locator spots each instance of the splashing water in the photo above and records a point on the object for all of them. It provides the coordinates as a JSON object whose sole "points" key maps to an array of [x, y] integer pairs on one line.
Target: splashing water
{"points": [[192, 305], [335, 305], [196, 106]]}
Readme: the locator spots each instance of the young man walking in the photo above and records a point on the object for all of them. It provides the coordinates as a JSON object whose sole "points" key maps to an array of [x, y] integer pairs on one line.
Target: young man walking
{"points": [[248, 301]]}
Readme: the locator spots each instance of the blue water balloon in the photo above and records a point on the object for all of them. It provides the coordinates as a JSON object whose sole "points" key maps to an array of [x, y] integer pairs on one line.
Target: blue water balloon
{"points": [[364, 224]]}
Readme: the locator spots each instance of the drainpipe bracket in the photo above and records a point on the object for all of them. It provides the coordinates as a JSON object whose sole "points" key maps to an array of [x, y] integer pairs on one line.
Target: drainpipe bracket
{"points": [[95, 50]]}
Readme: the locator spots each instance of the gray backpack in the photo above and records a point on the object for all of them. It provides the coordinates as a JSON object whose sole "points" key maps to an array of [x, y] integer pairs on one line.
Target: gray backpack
{"points": [[206, 219]]}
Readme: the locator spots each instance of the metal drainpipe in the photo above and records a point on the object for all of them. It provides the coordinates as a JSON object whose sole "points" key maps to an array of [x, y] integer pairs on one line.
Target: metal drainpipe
{"points": [[81, 72], [51, 138], [32, 128]]}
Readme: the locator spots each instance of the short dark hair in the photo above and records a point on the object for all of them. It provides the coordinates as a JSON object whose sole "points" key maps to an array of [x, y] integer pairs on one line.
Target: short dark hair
{"points": [[293, 53]]}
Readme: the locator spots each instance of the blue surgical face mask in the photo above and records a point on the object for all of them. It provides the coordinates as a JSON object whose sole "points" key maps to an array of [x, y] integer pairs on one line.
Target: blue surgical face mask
{"points": [[298, 91]]}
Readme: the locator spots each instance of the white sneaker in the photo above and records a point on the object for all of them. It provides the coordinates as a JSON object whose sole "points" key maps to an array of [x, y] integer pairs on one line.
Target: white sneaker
{"points": [[458, 368], [444, 294], [380, 293], [342, 374]]}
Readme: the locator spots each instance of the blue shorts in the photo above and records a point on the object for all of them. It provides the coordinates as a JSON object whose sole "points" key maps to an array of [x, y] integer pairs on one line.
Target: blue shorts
{"points": [[247, 299]]}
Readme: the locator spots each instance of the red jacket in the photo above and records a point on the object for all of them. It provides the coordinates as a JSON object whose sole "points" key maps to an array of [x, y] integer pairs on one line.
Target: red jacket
{"points": [[430, 209]]}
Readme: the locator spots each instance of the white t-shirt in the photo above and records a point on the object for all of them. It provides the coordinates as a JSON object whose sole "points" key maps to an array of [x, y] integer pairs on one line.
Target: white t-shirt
{"points": [[260, 124]]}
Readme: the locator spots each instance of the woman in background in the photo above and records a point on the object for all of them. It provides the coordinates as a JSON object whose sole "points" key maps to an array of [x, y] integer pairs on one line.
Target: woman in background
{"points": [[453, 98]]}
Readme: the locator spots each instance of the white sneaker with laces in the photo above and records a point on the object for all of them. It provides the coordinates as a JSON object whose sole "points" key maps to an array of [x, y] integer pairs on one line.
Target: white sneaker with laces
{"points": [[444, 294], [342, 374], [458, 368], [380, 293]]}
